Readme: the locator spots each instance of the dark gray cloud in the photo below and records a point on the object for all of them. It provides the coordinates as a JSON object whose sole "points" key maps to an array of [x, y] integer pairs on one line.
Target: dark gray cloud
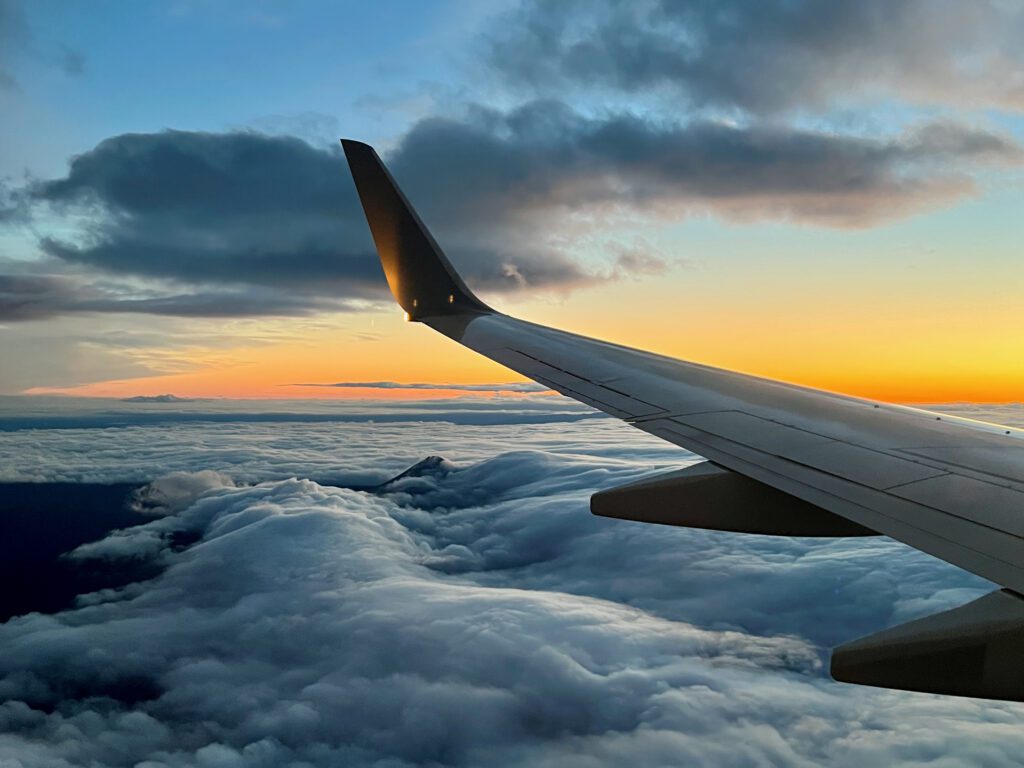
{"points": [[547, 161], [39, 297], [238, 208], [766, 56], [246, 209], [519, 386], [473, 615], [13, 203], [242, 223], [30, 297]]}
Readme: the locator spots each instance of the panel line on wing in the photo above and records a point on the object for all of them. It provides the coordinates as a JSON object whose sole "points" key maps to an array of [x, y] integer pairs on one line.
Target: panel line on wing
{"points": [[951, 457], [997, 506], [999, 562], [865, 466], [604, 398]]}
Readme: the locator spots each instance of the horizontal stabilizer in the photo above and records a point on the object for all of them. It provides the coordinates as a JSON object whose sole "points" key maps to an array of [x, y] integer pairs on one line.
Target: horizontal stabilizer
{"points": [[707, 496], [973, 650]]}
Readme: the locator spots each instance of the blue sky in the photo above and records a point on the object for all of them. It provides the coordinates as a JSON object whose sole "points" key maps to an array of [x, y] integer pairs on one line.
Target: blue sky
{"points": [[318, 69], [825, 192], [854, 163]]}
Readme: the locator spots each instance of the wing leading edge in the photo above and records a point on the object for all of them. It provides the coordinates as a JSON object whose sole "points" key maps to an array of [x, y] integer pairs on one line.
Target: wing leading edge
{"points": [[953, 488]]}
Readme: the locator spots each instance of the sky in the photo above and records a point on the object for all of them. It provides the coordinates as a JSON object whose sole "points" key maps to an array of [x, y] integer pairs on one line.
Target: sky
{"points": [[298, 606], [260, 521], [825, 193]]}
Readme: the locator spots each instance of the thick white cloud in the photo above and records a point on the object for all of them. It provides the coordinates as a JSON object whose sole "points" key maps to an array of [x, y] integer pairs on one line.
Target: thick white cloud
{"points": [[59, 439], [473, 615], [310, 623]]}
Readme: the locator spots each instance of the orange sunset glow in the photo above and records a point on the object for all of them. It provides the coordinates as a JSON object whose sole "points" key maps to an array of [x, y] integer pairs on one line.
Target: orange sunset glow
{"points": [[857, 235], [914, 352]]}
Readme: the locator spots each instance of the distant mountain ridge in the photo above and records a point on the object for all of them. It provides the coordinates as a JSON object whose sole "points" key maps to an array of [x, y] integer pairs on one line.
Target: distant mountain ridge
{"points": [[157, 399]]}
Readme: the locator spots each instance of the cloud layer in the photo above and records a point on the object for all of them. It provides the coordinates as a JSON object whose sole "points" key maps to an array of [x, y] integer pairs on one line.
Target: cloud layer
{"points": [[397, 661], [239, 224], [519, 386], [770, 56], [37, 297], [233, 224], [48, 430], [546, 160], [470, 613]]}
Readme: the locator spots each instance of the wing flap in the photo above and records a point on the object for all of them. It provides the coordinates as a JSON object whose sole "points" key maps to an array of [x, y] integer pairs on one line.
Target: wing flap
{"points": [[706, 496]]}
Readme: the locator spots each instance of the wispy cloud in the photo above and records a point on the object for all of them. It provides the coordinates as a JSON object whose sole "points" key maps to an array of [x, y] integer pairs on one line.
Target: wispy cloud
{"points": [[269, 220], [771, 56], [524, 386], [25, 297]]}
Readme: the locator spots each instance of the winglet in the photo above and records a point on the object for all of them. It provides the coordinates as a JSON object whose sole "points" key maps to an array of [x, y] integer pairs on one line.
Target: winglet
{"points": [[419, 274]]}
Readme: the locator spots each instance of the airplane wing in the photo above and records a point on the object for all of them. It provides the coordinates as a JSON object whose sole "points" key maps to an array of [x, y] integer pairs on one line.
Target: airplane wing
{"points": [[782, 459]]}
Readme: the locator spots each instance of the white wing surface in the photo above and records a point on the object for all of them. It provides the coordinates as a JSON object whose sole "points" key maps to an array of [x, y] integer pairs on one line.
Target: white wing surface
{"points": [[784, 458]]}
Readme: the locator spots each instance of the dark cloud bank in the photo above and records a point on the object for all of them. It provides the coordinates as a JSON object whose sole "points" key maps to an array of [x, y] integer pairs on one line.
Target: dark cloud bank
{"points": [[248, 224], [243, 223], [766, 57]]}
